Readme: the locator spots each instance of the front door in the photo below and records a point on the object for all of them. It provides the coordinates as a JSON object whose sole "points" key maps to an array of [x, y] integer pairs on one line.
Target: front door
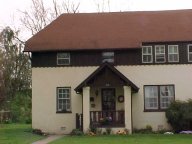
{"points": [[108, 99]]}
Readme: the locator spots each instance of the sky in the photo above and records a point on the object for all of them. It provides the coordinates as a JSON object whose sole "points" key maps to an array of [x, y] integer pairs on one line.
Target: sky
{"points": [[10, 9]]}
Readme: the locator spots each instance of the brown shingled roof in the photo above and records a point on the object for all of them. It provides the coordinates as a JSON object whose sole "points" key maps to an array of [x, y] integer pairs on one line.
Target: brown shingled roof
{"points": [[112, 30]]}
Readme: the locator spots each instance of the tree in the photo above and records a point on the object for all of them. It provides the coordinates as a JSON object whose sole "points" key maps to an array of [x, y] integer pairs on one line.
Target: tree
{"points": [[40, 16], [103, 5], [15, 66]]}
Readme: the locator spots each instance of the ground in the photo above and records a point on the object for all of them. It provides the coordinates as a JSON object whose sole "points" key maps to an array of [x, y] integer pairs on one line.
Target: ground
{"points": [[17, 134], [131, 139]]}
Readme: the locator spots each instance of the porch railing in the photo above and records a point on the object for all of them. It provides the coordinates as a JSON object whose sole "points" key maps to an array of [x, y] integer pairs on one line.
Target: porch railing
{"points": [[107, 118]]}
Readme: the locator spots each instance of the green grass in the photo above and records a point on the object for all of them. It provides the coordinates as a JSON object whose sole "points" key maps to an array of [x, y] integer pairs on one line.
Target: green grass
{"points": [[17, 134], [131, 139]]}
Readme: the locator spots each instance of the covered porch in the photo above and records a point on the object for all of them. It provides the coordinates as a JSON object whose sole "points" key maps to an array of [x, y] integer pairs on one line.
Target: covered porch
{"points": [[106, 99]]}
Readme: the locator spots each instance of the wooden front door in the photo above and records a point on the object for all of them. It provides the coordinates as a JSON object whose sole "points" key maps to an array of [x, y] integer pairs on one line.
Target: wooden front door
{"points": [[108, 99]]}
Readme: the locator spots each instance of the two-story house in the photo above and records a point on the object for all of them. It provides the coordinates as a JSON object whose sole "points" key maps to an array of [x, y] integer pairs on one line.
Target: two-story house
{"points": [[118, 70]]}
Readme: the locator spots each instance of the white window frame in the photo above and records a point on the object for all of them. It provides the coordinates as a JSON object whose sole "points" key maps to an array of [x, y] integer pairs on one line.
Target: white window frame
{"points": [[169, 47], [108, 56], [156, 54], [189, 53], [147, 54], [64, 98], [64, 58]]}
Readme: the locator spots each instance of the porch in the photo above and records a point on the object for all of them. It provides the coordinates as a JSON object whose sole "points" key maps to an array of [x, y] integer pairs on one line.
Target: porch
{"points": [[106, 99]]}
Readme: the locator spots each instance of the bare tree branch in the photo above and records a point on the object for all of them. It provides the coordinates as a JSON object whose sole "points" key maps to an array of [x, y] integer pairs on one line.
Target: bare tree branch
{"points": [[40, 16]]}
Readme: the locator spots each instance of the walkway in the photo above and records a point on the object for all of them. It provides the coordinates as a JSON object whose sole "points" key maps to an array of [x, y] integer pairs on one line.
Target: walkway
{"points": [[48, 139]]}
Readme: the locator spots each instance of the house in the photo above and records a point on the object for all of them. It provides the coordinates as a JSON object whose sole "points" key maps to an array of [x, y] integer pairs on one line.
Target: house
{"points": [[118, 70]]}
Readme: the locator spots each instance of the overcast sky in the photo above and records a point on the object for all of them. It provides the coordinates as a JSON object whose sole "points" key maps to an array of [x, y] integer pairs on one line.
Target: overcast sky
{"points": [[9, 9]]}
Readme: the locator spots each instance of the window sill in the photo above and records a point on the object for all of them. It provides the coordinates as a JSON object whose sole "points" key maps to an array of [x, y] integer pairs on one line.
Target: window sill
{"points": [[158, 110], [60, 112]]}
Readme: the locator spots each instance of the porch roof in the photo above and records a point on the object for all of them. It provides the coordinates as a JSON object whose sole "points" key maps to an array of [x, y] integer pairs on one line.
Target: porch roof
{"points": [[105, 65]]}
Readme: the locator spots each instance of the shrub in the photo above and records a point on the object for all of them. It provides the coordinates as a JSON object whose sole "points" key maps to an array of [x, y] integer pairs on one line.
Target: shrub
{"points": [[108, 131], [147, 130], [179, 115], [76, 132]]}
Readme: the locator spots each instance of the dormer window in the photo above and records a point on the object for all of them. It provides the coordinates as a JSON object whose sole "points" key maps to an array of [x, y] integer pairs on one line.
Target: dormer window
{"points": [[173, 53], [108, 57], [190, 53], [159, 53], [63, 58], [147, 55]]}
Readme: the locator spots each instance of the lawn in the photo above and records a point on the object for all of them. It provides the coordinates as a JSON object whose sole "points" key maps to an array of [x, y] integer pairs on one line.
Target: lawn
{"points": [[131, 139], [17, 134]]}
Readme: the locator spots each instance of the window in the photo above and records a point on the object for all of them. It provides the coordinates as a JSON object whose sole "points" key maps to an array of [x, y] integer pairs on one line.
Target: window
{"points": [[173, 53], [158, 97], [159, 53], [63, 99], [108, 57], [147, 56], [63, 58], [190, 53]]}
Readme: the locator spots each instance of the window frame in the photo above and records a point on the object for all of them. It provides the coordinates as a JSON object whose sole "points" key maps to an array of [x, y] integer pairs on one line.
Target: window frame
{"points": [[69, 58], [110, 57], [57, 100], [189, 53], [159, 109], [160, 53], [169, 46], [147, 54]]}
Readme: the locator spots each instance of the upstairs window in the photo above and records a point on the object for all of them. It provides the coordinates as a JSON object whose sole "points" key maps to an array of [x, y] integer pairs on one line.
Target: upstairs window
{"points": [[147, 56], [63, 58], [173, 53], [158, 97], [108, 57], [159, 53], [190, 53], [63, 99]]}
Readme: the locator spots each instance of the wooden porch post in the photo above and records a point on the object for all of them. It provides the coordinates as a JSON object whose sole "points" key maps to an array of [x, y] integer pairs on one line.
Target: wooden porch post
{"points": [[127, 105], [86, 108]]}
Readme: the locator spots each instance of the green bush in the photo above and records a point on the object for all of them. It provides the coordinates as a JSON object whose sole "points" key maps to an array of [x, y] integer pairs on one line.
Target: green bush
{"points": [[147, 130], [179, 115], [76, 132]]}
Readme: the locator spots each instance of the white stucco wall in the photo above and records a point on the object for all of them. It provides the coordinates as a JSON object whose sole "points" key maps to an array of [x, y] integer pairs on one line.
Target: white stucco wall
{"points": [[45, 81]]}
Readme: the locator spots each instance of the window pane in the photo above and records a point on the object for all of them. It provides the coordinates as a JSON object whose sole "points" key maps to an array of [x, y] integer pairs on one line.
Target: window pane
{"points": [[108, 57], [63, 99], [63, 55], [151, 97], [166, 96], [190, 57], [173, 58], [190, 48], [147, 54], [160, 53], [63, 61]]}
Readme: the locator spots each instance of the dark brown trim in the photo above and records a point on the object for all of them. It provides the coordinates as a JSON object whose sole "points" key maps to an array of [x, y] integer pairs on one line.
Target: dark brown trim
{"points": [[114, 70], [60, 112], [159, 104]]}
